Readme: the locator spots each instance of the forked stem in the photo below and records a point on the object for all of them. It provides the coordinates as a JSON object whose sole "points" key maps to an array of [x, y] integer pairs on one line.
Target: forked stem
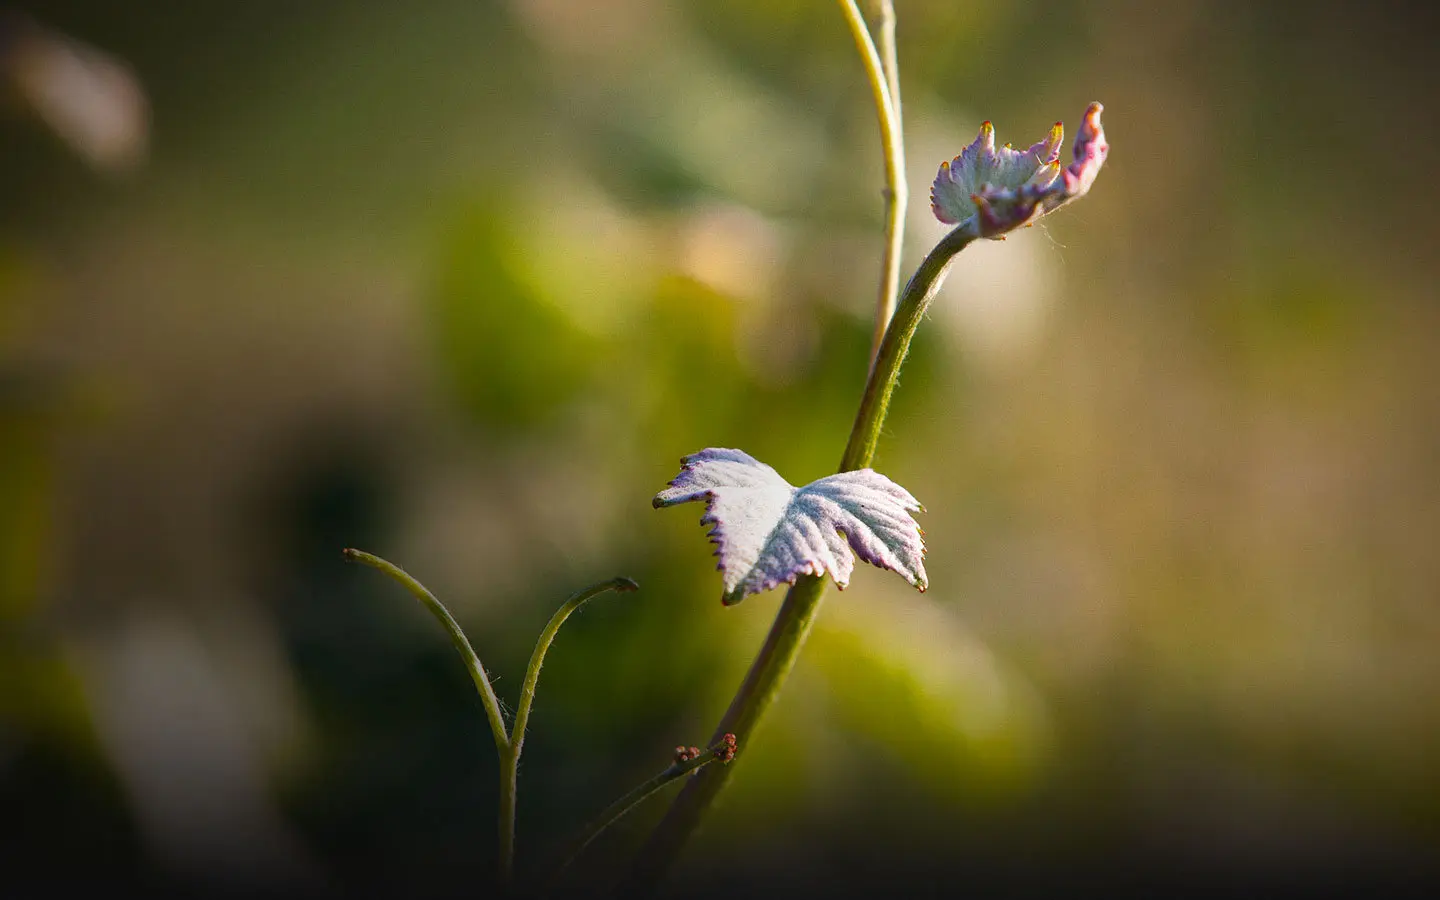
{"points": [[620, 808], [508, 757], [508, 744]]}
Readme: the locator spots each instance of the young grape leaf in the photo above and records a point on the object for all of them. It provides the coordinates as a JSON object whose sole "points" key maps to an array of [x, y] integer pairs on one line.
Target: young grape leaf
{"points": [[767, 531]]}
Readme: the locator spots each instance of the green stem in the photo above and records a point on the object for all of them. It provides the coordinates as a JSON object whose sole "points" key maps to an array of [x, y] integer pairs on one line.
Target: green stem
{"points": [[508, 755], [802, 602], [507, 744], [542, 646], [620, 808], [457, 637], [888, 56], [510, 759], [882, 71], [509, 775], [919, 292]]}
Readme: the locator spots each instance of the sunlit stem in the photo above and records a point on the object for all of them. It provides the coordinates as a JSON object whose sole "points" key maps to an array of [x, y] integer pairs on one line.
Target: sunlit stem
{"points": [[620, 808], [919, 292], [802, 602], [888, 57], [882, 71]]}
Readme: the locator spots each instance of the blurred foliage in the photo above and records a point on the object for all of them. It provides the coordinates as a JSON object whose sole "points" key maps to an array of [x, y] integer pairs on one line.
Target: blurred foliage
{"points": [[514, 358], [460, 284]]}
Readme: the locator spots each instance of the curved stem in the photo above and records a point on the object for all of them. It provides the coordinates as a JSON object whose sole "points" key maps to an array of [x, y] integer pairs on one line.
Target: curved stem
{"points": [[884, 77], [802, 602], [506, 750], [457, 637], [888, 56], [508, 744], [919, 292], [620, 808], [542, 646], [510, 757]]}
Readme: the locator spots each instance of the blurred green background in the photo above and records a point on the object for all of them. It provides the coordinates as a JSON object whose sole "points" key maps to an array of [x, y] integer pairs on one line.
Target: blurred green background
{"points": [[460, 282]]}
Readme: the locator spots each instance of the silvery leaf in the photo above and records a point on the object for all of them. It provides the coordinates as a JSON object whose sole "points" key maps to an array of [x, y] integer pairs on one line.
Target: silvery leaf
{"points": [[766, 531]]}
